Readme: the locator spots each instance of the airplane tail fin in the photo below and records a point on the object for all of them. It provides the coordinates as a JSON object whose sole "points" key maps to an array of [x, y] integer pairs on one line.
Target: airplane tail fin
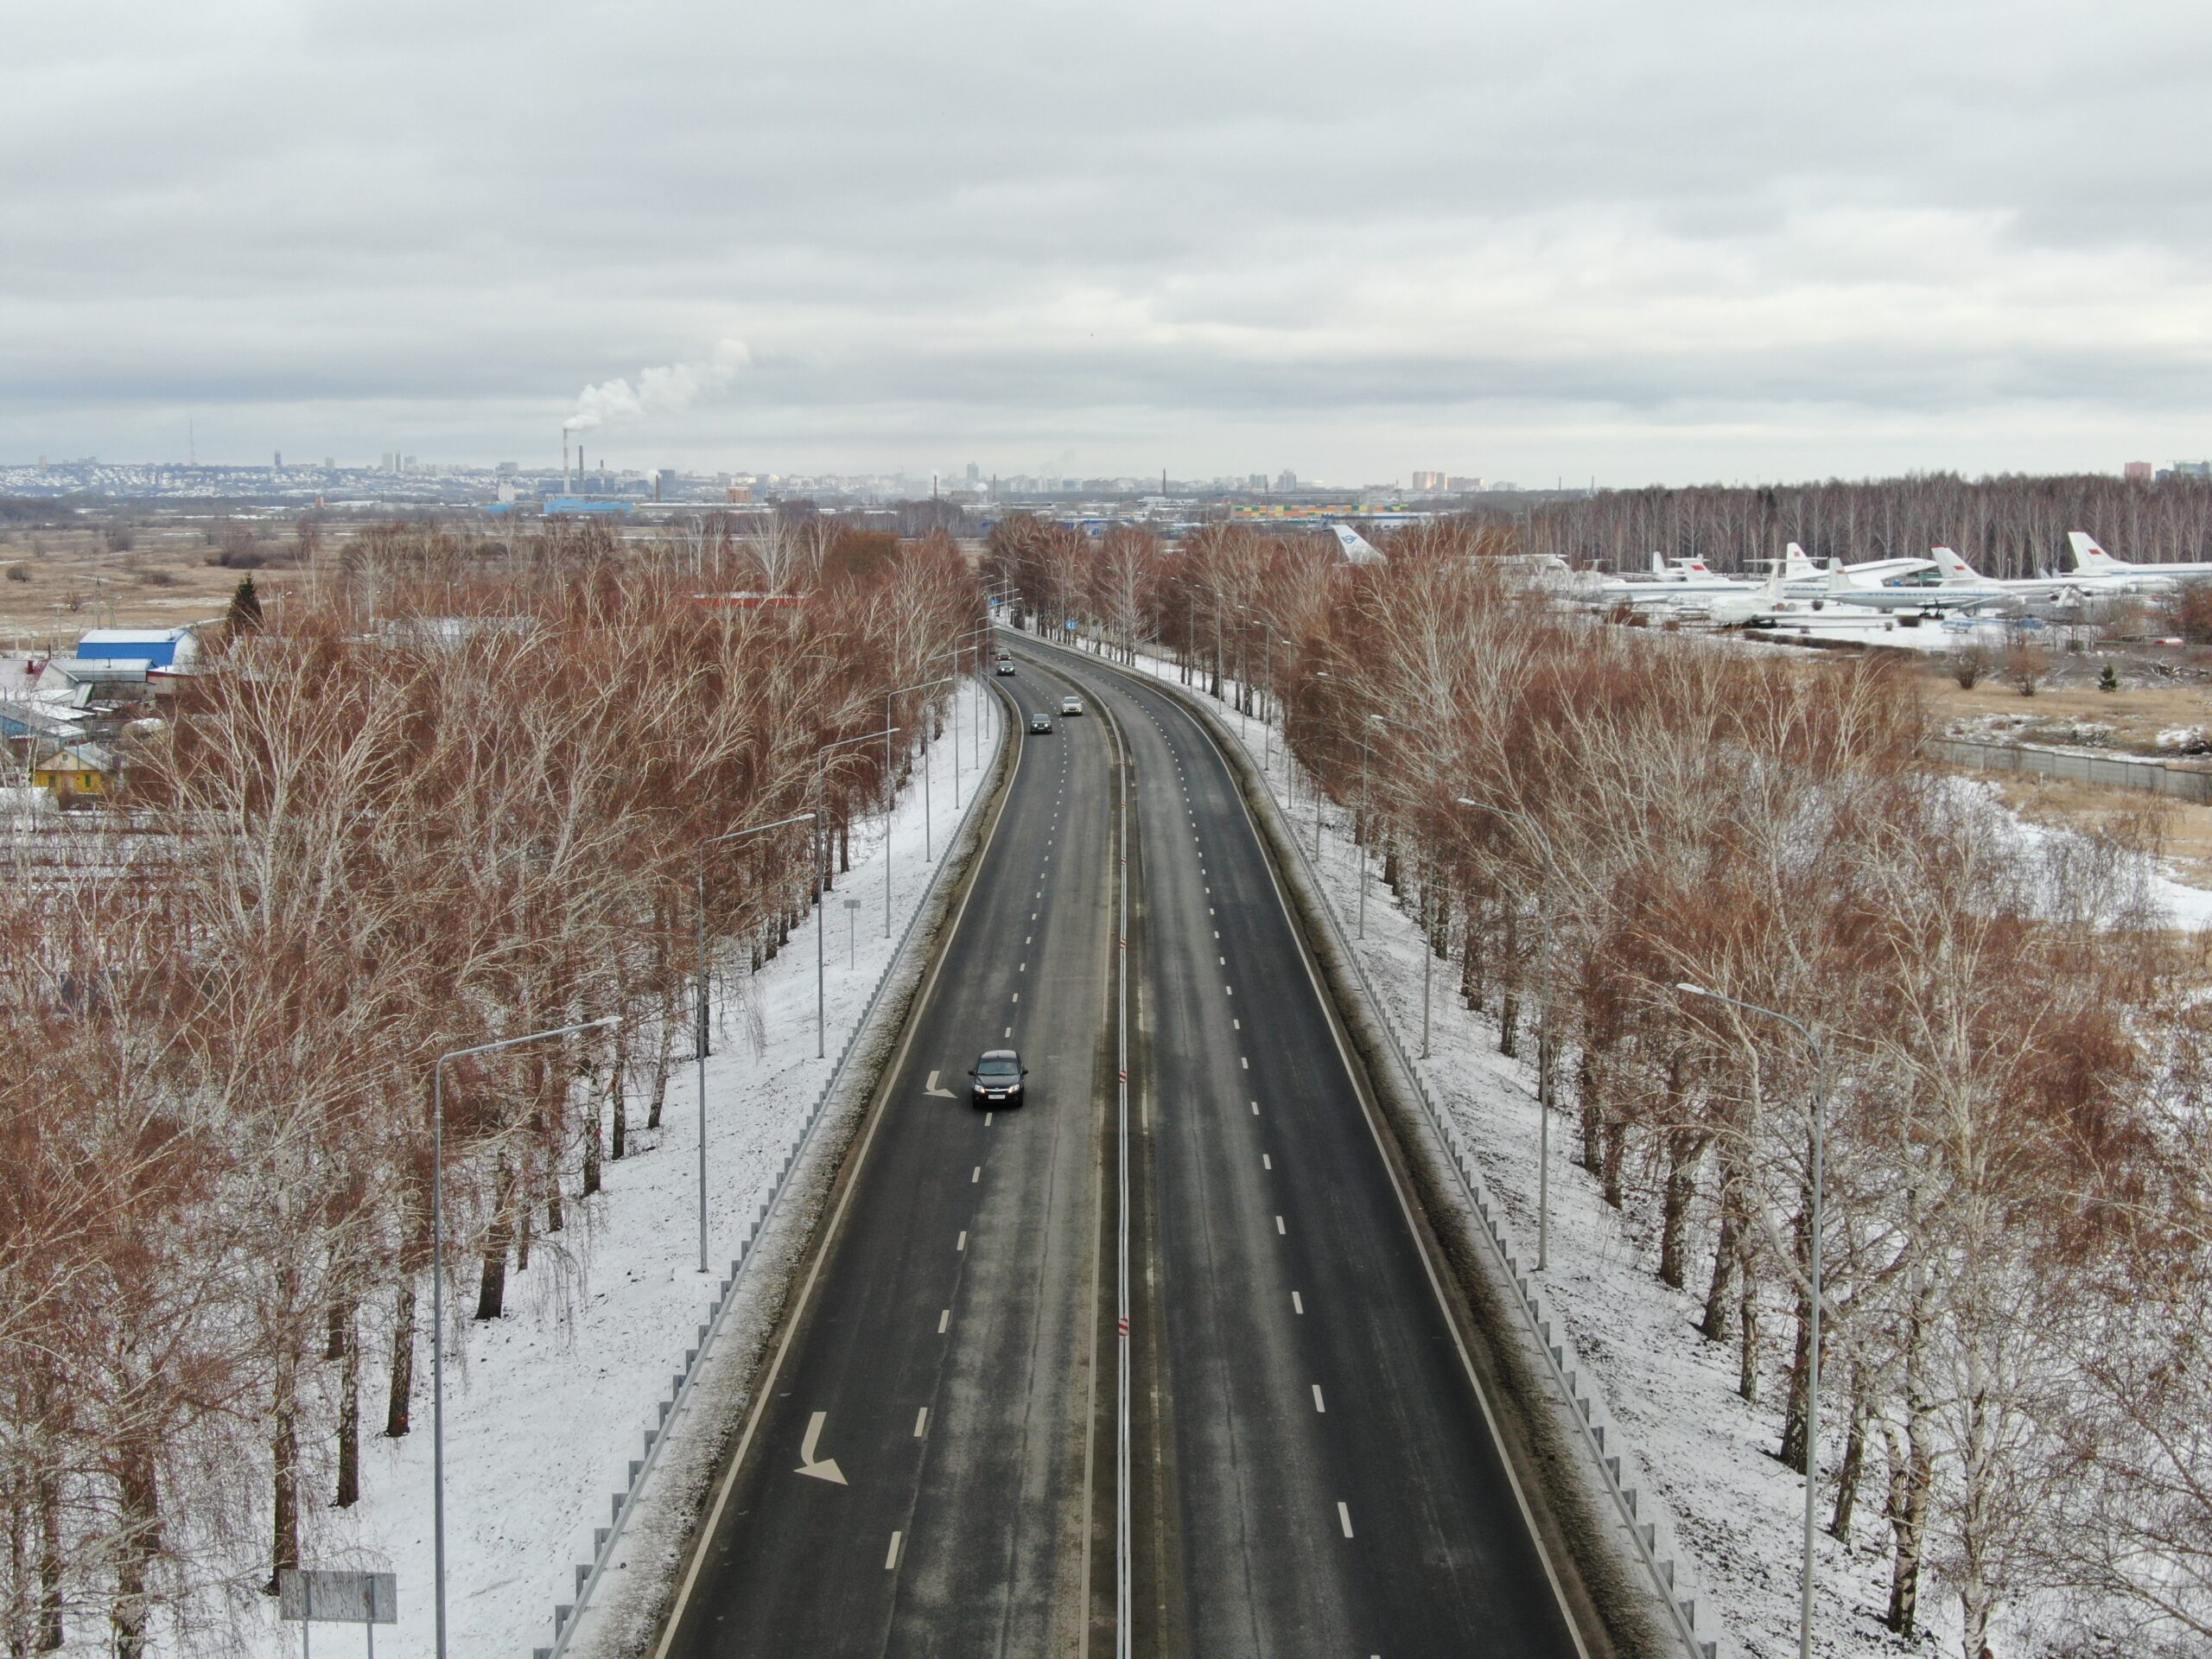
{"points": [[1840, 581], [1658, 564], [1956, 571], [2088, 556], [1358, 550], [1797, 562]]}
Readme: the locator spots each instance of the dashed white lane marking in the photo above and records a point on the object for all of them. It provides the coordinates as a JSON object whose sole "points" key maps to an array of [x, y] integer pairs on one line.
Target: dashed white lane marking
{"points": [[977, 1176], [1023, 969], [1297, 1303], [1244, 1060], [1317, 1405], [1265, 1162], [1256, 1109], [1343, 1518], [1221, 962], [1010, 1030], [1029, 938], [1017, 996], [988, 1117], [1229, 990], [1280, 1227], [890, 1560], [944, 1322], [921, 1421], [1216, 932], [1237, 1025], [962, 1243]]}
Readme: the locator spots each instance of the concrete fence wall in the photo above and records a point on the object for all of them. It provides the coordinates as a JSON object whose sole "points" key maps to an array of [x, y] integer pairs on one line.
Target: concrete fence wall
{"points": [[2180, 782]]}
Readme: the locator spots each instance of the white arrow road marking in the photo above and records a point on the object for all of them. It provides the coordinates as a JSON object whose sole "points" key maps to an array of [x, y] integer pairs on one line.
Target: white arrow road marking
{"points": [[826, 1468], [932, 1089]]}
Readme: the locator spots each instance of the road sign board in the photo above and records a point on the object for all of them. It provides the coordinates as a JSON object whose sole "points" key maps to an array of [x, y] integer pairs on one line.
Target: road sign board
{"points": [[329, 1597]]}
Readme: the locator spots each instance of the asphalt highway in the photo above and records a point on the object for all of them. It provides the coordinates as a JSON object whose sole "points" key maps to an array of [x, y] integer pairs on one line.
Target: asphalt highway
{"points": [[1314, 1468], [916, 1479], [1329, 1483]]}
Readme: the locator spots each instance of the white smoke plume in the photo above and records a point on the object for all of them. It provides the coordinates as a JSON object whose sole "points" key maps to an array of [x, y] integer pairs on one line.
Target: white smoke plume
{"points": [[662, 390]]}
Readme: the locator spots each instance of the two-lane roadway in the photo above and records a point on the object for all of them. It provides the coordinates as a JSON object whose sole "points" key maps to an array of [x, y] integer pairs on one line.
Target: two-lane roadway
{"points": [[914, 1477]]}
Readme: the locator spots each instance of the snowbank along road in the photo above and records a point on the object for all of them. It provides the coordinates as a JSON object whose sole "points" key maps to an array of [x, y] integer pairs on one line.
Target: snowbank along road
{"points": [[1314, 1469]]}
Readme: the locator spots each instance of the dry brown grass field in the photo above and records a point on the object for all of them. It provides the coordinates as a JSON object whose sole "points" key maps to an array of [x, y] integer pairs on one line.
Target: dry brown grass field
{"points": [[56, 583]]}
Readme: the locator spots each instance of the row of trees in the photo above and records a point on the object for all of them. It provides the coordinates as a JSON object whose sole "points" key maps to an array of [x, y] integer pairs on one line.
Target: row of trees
{"points": [[2015, 1250], [455, 795], [2006, 526]]}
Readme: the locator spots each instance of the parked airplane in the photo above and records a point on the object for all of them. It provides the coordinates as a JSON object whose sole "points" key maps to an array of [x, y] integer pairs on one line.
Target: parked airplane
{"points": [[1798, 569], [1960, 576], [1357, 549], [1844, 588], [2090, 560]]}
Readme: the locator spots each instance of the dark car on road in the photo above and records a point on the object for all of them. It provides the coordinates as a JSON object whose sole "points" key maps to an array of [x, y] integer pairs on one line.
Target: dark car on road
{"points": [[1041, 722], [1005, 665], [998, 1077]]}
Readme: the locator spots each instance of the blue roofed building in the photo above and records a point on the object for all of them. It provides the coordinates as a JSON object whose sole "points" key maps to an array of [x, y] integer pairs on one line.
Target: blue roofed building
{"points": [[174, 649]]}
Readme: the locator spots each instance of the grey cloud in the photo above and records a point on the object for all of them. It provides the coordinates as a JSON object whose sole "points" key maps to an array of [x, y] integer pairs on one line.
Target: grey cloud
{"points": [[359, 215]]}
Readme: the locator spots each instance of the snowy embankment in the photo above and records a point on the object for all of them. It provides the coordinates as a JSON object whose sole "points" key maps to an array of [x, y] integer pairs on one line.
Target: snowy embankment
{"points": [[546, 1407], [1737, 1512]]}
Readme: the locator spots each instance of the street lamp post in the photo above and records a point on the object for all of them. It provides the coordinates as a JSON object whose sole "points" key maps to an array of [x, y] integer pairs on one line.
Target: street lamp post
{"points": [[1820, 1082], [1544, 1045], [699, 1045], [923, 685], [438, 1284], [1428, 886], [822, 878], [1366, 818]]}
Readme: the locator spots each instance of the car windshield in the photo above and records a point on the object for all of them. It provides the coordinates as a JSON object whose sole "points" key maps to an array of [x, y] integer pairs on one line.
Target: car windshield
{"points": [[997, 1065]]}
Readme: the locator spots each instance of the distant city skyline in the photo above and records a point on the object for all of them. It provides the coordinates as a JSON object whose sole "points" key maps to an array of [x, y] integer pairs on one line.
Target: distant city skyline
{"points": [[1694, 244]]}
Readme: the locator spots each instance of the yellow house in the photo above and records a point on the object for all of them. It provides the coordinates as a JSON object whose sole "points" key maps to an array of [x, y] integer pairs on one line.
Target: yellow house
{"points": [[81, 769]]}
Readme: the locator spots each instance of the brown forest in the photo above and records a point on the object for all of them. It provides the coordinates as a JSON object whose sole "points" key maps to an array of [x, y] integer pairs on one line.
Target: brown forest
{"points": [[450, 794]]}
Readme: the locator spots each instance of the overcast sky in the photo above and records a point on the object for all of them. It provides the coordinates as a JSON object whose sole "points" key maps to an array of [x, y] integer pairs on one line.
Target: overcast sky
{"points": [[1640, 242]]}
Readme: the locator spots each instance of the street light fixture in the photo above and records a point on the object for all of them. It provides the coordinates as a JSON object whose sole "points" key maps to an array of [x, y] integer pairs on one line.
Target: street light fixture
{"points": [[927, 857], [822, 879], [699, 1043], [1820, 1048], [1428, 938], [1544, 1027], [438, 1286]]}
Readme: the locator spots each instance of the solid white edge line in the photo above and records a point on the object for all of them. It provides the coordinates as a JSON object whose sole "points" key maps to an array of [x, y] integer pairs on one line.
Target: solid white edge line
{"points": [[890, 1559], [1343, 1518]]}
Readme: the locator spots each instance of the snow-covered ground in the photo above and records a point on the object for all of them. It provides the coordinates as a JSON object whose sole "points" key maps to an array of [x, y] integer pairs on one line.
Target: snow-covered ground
{"points": [[546, 1407]]}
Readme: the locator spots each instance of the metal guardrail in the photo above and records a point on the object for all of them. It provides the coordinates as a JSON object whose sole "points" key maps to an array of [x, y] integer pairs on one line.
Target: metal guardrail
{"points": [[1568, 1372], [623, 1504], [2183, 782]]}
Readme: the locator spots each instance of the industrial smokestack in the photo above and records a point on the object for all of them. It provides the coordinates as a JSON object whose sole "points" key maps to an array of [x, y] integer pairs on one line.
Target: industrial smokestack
{"points": [[564, 460]]}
